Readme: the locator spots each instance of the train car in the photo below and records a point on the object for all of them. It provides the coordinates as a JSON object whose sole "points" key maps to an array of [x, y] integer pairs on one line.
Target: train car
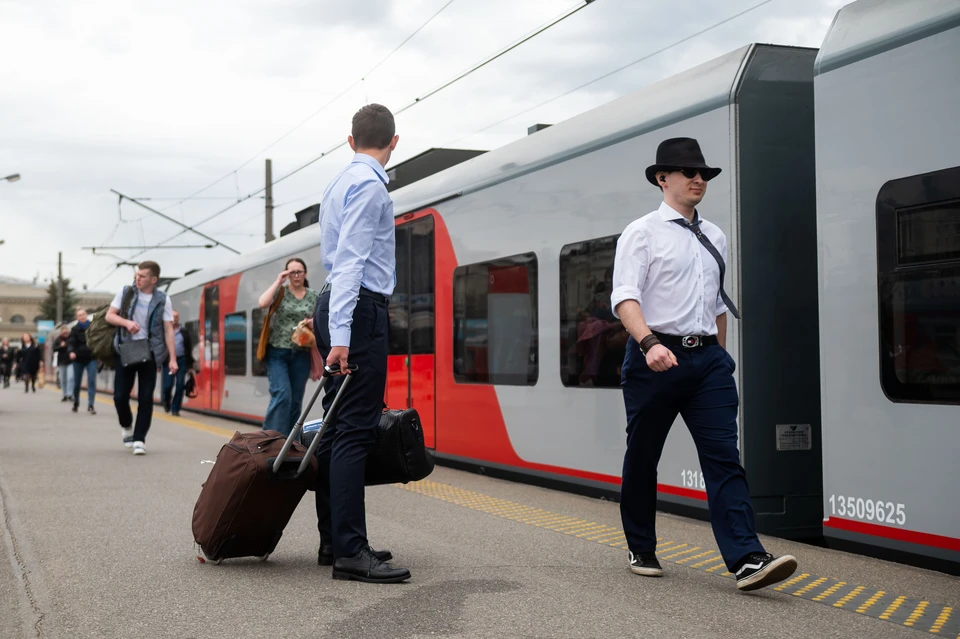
{"points": [[501, 334], [888, 215]]}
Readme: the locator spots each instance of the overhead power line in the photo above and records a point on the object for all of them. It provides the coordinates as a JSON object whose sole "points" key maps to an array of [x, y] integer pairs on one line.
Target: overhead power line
{"points": [[581, 5], [615, 71], [177, 222], [322, 108]]}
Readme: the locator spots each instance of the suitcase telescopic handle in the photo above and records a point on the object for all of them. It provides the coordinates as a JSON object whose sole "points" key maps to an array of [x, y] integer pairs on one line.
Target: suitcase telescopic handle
{"points": [[328, 371]]}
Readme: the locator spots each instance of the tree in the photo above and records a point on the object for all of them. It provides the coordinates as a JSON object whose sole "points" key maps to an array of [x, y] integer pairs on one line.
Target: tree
{"points": [[48, 308]]}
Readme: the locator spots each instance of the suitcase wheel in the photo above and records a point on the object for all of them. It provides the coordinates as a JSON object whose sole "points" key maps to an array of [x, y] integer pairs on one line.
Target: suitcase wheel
{"points": [[264, 557]]}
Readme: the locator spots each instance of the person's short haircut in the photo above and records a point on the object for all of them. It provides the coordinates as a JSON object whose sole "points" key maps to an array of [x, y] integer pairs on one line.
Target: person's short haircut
{"points": [[373, 127], [152, 266]]}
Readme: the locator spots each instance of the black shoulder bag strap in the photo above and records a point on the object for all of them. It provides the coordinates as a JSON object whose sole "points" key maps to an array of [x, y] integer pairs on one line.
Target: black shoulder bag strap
{"points": [[695, 229]]}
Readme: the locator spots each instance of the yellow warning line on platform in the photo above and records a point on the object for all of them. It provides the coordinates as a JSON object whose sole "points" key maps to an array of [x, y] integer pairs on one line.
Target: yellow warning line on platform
{"points": [[878, 604]]}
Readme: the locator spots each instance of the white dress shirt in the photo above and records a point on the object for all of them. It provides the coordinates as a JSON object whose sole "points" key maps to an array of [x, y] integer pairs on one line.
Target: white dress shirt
{"points": [[673, 277]]}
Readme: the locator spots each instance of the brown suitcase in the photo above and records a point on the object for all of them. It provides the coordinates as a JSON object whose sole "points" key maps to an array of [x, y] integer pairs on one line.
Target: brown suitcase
{"points": [[255, 485]]}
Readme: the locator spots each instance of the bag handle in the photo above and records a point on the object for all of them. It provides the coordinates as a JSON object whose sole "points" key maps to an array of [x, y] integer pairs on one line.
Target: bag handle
{"points": [[265, 329], [327, 372]]}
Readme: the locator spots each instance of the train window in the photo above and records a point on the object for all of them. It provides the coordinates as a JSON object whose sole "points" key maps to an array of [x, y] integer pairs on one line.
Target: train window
{"points": [[592, 339], [918, 243], [412, 305], [193, 330], [495, 323], [235, 344], [257, 368]]}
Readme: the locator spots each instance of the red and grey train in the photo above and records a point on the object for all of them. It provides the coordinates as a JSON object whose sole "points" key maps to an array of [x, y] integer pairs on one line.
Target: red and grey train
{"points": [[501, 334]]}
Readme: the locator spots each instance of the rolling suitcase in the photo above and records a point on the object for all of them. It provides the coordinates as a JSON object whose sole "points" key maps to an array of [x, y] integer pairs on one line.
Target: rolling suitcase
{"points": [[253, 488]]}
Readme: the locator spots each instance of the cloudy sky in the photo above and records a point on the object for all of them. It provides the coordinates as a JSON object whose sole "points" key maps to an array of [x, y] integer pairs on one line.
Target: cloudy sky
{"points": [[160, 99]]}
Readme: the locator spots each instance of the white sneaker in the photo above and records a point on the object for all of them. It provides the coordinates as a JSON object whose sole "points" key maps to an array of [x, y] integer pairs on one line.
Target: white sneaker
{"points": [[127, 436], [139, 448]]}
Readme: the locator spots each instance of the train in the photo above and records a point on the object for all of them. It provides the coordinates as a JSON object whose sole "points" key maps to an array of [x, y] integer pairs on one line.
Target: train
{"points": [[840, 199]]}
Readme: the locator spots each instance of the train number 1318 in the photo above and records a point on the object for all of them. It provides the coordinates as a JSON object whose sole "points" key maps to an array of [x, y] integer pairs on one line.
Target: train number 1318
{"points": [[881, 511], [692, 479]]}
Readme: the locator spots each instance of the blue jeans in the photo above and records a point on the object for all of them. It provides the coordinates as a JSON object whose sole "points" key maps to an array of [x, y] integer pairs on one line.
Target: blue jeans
{"points": [[287, 372], [168, 384], [91, 368], [65, 373]]}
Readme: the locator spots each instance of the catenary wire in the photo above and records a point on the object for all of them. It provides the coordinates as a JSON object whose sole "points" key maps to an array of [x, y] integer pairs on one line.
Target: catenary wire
{"points": [[322, 108]]}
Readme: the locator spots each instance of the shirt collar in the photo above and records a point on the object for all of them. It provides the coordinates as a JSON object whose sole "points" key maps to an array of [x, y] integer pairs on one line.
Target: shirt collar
{"points": [[363, 158], [668, 213]]}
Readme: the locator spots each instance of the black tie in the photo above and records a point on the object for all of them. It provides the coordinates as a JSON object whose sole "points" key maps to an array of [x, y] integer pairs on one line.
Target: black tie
{"points": [[695, 229]]}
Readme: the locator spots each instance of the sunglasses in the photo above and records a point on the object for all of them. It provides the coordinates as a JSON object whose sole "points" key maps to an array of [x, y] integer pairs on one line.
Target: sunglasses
{"points": [[691, 173]]}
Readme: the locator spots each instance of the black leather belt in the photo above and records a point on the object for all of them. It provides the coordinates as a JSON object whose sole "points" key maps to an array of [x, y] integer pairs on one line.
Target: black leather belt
{"points": [[687, 341], [365, 292]]}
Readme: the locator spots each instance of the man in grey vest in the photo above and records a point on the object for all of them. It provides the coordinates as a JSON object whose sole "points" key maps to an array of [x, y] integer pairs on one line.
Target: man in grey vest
{"points": [[147, 316]]}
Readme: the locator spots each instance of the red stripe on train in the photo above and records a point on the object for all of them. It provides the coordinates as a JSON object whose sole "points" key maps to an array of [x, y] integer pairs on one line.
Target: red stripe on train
{"points": [[898, 534]]}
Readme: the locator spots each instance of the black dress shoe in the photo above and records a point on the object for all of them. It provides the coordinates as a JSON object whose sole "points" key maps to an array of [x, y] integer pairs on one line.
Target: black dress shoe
{"points": [[325, 555], [364, 566]]}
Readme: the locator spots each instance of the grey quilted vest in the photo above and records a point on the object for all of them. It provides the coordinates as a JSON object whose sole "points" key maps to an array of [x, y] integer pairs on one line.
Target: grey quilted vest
{"points": [[158, 345]]}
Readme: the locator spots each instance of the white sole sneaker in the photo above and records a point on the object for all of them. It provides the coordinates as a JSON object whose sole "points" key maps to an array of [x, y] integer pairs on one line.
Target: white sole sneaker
{"points": [[127, 437], [139, 448], [776, 571]]}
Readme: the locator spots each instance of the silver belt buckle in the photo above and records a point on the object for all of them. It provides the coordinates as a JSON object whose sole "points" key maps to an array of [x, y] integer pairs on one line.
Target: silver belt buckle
{"points": [[690, 341]]}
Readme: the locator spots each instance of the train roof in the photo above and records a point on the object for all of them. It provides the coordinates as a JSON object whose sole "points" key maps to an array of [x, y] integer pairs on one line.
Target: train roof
{"points": [[703, 88], [869, 27]]}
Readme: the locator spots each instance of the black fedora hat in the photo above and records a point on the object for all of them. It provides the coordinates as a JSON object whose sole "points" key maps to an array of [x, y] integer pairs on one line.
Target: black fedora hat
{"points": [[680, 153]]}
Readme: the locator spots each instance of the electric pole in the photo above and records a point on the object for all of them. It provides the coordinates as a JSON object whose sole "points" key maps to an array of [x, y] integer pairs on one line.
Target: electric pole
{"points": [[59, 318], [268, 234]]}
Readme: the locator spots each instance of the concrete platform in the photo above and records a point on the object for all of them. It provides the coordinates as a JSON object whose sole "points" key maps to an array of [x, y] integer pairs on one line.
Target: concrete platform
{"points": [[97, 543]]}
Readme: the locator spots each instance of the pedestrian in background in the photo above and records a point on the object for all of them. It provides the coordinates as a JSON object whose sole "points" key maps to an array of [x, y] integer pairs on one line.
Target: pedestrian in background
{"points": [[29, 362], [82, 360], [64, 368], [171, 393], [8, 356], [288, 365], [148, 318]]}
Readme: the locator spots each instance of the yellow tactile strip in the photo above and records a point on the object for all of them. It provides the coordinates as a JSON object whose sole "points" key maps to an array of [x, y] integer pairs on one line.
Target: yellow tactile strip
{"points": [[920, 615]]}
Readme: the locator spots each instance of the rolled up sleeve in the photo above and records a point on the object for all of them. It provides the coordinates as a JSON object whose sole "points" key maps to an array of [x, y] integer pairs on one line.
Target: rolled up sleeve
{"points": [[630, 264]]}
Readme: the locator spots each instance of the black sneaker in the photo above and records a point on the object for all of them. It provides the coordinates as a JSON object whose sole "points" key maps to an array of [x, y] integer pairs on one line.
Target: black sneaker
{"points": [[75, 406], [325, 555], [761, 569], [646, 564], [91, 410]]}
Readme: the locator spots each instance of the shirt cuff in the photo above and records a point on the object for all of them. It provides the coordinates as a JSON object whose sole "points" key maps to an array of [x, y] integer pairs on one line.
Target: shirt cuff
{"points": [[721, 307], [340, 337], [621, 294]]}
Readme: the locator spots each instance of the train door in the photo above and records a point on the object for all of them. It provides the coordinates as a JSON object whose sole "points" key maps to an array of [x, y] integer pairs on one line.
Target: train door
{"points": [[211, 344], [411, 362]]}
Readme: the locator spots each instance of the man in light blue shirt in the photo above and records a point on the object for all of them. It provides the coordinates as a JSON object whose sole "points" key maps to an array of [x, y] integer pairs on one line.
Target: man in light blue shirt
{"points": [[351, 326]]}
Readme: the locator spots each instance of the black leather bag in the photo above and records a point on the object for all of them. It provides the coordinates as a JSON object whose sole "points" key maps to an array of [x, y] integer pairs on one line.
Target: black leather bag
{"points": [[399, 454]]}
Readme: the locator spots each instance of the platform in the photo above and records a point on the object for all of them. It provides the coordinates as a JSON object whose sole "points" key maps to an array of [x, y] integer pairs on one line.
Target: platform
{"points": [[97, 543]]}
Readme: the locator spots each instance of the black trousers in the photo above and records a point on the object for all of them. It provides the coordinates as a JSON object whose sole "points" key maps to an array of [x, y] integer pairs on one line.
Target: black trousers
{"points": [[342, 452], [146, 376], [701, 389]]}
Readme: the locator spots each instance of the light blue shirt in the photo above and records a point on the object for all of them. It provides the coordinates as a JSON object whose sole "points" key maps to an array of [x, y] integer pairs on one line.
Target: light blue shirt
{"points": [[178, 342], [357, 240]]}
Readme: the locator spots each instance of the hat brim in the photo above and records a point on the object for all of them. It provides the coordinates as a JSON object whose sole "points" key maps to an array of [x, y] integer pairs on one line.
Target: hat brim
{"points": [[651, 172]]}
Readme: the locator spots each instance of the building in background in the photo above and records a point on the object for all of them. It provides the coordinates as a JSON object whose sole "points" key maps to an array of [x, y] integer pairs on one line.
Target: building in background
{"points": [[20, 306]]}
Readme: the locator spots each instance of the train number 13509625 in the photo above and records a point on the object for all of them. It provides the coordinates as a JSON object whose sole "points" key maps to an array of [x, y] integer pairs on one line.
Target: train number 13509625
{"points": [[885, 512]]}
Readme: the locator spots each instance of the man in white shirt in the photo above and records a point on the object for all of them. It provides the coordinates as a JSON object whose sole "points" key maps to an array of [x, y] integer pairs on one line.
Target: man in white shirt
{"points": [[146, 314], [668, 292]]}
